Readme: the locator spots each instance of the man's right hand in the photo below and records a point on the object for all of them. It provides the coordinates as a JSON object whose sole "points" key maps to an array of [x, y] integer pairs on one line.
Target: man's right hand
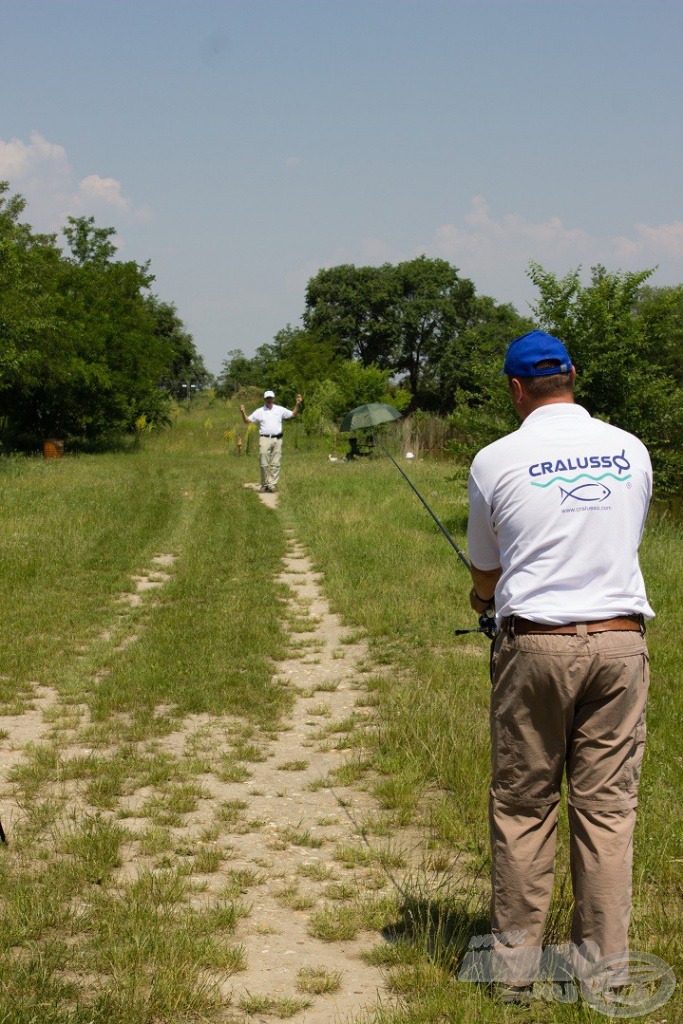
{"points": [[242, 409]]}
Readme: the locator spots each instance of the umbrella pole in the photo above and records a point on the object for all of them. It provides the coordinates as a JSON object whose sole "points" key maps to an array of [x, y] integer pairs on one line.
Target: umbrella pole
{"points": [[459, 553]]}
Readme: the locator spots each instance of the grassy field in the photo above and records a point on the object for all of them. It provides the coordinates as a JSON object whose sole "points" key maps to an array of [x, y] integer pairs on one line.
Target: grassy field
{"points": [[132, 590]]}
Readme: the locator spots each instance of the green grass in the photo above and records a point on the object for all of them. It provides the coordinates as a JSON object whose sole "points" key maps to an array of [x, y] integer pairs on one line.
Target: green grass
{"points": [[70, 533], [298, 836], [292, 897], [316, 871], [318, 980], [266, 1006], [293, 766], [151, 952]]}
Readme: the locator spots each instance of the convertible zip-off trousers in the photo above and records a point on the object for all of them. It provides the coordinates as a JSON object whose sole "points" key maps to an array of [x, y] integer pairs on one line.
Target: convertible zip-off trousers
{"points": [[270, 458], [574, 702]]}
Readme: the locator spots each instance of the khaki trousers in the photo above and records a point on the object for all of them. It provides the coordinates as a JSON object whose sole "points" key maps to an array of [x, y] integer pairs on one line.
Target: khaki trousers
{"points": [[270, 458], [575, 703]]}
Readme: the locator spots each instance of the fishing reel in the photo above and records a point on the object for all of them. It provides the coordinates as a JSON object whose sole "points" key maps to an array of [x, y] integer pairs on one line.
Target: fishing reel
{"points": [[487, 625]]}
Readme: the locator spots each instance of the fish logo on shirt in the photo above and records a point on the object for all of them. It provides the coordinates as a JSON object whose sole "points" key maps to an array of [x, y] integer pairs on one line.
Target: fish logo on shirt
{"points": [[586, 492]]}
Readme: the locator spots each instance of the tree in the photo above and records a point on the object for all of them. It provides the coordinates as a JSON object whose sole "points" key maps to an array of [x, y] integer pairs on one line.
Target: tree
{"points": [[598, 323], [88, 243], [400, 318], [29, 304], [186, 369], [661, 312], [468, 372], [432, 306], [606, 332], [350, 310], [83, 350], [115, 358], [237, 371], [350, 384], [290, 364]]}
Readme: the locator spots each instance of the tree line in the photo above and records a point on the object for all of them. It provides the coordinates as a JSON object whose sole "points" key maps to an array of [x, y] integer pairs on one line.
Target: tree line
{"points": [[86, 349], [418, 335]]}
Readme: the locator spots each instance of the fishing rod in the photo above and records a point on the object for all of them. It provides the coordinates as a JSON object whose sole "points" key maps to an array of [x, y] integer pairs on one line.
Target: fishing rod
{"points": [[461, 555], [487, 621]]}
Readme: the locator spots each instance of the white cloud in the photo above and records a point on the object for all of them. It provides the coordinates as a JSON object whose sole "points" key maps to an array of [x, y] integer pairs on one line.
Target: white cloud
{"points": [[658, 244], [106, 189], [292, 161], [22, 160], [41, 172], [495, 252], [485, 240]]}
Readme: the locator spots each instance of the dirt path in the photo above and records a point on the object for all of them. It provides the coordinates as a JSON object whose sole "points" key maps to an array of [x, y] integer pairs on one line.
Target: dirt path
{"points": [[326, 820]]}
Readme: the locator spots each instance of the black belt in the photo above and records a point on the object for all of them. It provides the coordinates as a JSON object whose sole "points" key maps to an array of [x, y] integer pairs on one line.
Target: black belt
{"points": [[513, 624], [271, 435]]}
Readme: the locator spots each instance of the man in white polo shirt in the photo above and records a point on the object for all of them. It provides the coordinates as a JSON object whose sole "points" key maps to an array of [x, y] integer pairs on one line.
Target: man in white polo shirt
{"points": [[557, 511], [269, 418]]}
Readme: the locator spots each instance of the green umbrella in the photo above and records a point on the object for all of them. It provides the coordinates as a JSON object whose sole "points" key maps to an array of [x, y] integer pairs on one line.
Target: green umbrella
{"points": [[370, 415]]}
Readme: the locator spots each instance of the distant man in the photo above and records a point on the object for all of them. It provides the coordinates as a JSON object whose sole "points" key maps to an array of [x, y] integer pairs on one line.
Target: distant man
{"points": [[557, 511], [269, 418]]}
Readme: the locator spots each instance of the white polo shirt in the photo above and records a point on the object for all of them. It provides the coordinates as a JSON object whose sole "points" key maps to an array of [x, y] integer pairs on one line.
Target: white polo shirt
{"points": [[270, 420], [560, 506]]}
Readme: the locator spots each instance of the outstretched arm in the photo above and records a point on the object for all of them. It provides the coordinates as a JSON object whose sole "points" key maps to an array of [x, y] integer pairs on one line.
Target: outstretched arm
{"points": [[295, 410]]}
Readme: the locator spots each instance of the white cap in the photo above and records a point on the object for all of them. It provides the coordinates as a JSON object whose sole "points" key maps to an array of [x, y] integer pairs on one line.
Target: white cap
{"points": [[269, 394]]}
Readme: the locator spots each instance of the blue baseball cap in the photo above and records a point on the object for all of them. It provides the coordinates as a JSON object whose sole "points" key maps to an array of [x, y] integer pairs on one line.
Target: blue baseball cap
{"points": [[525, 353]]}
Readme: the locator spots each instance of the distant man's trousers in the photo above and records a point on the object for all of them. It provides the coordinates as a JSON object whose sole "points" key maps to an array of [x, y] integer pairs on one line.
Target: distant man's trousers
{"points": [[576, 703], [270, 457]]}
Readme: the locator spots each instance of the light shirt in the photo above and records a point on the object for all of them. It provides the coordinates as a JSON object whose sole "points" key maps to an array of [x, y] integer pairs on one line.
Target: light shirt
{"points": [[270, 420], [560, 506]]}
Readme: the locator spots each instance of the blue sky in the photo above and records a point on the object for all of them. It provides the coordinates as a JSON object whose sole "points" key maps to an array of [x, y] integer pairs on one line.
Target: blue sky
{"points": [[240, 145]]}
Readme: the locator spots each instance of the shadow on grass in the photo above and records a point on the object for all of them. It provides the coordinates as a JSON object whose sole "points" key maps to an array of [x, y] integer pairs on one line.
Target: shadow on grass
{"points": [[441, 925], [440, 928]]}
